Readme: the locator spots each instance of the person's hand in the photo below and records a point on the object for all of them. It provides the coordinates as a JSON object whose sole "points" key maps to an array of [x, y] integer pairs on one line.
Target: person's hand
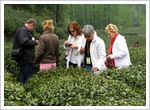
{"points": [[81, 50], [95, 69], [73, 46], [37, 41], [66, 43]]}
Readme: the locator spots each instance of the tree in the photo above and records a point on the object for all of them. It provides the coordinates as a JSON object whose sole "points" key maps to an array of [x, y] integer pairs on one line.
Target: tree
{"points": [[57, 13]]}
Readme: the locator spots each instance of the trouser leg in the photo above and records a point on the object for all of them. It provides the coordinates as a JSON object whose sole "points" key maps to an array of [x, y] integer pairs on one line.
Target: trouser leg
{"points": [[89, 68], [26, 71], [72, 65]]}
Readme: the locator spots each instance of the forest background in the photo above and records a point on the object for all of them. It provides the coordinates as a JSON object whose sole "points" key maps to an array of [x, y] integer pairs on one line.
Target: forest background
{"points": [[125, 16]]}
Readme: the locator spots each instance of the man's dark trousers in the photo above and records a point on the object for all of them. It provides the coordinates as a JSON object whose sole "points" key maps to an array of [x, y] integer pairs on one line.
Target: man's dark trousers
{"points": [[26, 70]]}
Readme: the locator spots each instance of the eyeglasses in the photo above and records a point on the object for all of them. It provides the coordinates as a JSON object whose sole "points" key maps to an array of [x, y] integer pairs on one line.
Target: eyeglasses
{"points": [[72, 31]]}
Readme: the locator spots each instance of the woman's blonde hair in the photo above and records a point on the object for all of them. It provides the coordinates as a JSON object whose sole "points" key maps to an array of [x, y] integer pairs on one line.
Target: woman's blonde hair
{"points": [[48, 25], [112, 28]]}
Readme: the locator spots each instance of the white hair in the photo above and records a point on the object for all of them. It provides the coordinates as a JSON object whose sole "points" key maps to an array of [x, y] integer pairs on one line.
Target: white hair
{"points": [[88, 29]]}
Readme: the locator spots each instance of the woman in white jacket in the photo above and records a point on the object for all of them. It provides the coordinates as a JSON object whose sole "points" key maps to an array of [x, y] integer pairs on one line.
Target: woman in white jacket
{"points": [[118, 53], [94, 51], [73, 45]]}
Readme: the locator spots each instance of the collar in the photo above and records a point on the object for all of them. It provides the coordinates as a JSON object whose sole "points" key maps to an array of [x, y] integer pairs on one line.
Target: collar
{"points": [[26, 28], [48, 32], [95, 36]]}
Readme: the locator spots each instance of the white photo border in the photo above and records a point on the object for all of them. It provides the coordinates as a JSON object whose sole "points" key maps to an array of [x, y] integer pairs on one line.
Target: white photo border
{"points": [[75, 107]]}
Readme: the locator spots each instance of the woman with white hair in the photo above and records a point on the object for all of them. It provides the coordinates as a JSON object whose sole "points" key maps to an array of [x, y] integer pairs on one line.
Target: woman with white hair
{"points": [[94, 51]]}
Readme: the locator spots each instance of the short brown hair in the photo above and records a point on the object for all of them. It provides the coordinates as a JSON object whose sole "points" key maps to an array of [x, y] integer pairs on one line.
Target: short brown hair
{"points": [[76, 27], [31, 21], [48, 25]]}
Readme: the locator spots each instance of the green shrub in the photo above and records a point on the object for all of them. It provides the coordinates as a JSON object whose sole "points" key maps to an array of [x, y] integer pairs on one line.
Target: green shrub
{"points": [[77, 87], [16, 95], [61, 32], [13, 19], [9, 65], [133, 76], [74, 87], [138, 55]]}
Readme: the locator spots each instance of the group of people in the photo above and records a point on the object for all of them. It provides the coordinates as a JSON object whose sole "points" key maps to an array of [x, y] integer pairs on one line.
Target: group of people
{"points": [[83, 48]]}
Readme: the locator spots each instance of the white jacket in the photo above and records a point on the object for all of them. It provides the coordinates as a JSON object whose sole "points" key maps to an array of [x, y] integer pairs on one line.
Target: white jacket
{"points": [[80, 44], [120, 52], [97, 53]]}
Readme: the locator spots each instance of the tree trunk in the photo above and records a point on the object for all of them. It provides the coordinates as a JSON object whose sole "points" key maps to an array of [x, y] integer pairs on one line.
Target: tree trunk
{"points": [[57, 13]]}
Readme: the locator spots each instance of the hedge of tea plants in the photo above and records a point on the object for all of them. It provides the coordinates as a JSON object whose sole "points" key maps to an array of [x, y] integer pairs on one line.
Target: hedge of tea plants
{"points": [[77, 87]]}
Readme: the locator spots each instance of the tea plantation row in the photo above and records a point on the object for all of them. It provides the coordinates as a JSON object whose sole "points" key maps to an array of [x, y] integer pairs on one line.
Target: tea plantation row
{"points": [[72, 87]]}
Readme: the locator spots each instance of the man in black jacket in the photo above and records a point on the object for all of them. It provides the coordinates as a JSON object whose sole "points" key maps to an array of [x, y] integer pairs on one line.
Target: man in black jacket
{"points": [[25, 41]]}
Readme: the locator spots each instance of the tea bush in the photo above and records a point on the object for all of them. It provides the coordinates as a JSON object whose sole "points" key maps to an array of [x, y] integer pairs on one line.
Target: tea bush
{"points": [[14, 19], [77, 87], [72, 87], [133, 76], [9, 65], [61, 32], [138, 56]]}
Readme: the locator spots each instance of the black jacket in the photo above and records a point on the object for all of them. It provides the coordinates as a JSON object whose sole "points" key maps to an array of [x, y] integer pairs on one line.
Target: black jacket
{"points": [[23, 39]]}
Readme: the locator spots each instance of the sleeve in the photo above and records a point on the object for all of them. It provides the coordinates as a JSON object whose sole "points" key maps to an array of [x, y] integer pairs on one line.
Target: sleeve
{"points": [[101, 55], [40, 51], [122, 49], [69, 41], [24, 38], [57, 52], [81, 43]]}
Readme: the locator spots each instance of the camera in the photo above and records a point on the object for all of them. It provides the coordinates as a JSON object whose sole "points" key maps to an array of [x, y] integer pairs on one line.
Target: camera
{"points": [[68, 45]]}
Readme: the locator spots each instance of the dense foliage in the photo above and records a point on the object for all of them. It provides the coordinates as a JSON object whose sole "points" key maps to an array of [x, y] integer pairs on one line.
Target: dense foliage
{"points": [[98, 15], [125, 87], [75, 87], [15, 18]]}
